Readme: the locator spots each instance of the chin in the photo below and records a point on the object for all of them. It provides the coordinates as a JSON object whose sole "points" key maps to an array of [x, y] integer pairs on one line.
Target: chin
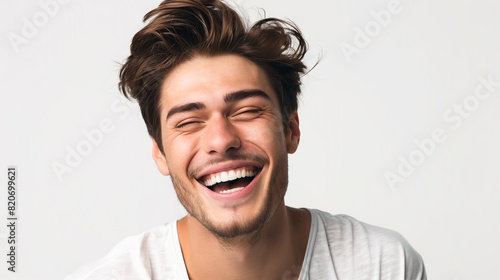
{"points": [[238, 224]]}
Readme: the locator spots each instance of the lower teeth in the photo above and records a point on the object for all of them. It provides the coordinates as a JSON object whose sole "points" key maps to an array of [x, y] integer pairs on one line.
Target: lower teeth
{"points": [[232, 190]]}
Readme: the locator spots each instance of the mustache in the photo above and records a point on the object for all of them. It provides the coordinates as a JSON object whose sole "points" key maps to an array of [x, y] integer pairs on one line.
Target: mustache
{"points": [[192, 171]]}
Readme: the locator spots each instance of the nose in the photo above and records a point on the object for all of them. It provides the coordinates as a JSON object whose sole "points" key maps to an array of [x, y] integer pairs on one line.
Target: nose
{"points": [[221, 136]]}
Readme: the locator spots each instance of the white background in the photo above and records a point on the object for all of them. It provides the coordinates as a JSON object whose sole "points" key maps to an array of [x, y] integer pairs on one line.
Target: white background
{"points": [[360, 115]]}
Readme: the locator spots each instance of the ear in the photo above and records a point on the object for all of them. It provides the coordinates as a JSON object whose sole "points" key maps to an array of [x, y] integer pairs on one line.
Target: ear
{"points": [[160, 160], [293, 135]]}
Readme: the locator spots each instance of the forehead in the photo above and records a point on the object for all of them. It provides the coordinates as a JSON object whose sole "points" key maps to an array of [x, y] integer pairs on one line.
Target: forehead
{"points": [[207, 79]]}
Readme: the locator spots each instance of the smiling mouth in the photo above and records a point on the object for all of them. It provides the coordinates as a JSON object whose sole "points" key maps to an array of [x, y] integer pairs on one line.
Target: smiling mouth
{"points": [[229, 181]]}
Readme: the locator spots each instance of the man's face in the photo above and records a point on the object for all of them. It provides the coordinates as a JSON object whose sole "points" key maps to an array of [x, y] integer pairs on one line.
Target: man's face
{"points": [[224, 143]]}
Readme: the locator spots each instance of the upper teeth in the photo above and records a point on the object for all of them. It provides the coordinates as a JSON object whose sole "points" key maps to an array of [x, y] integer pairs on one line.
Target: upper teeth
{"points": [[226, 176]]}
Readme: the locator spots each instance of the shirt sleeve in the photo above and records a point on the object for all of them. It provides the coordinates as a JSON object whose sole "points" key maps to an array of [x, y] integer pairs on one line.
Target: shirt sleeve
{"points": [[346, 248], [390, 251], [124, 262], [414, 265]]}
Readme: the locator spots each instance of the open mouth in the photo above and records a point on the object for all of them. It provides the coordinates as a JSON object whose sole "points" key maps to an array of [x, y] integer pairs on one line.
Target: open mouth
{"points": [[229, 181]]}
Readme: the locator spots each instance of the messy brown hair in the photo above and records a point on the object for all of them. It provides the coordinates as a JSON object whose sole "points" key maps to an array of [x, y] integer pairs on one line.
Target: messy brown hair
{"points": [[179, 30]]}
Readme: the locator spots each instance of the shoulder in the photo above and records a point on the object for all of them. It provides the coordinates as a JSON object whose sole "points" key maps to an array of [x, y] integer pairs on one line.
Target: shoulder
{"points": [[135, 257], [351, 242], [356, 231]]}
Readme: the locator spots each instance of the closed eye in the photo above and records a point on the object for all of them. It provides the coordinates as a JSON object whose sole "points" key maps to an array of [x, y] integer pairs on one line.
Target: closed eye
{"points": [[187, 124], [247, 113]]}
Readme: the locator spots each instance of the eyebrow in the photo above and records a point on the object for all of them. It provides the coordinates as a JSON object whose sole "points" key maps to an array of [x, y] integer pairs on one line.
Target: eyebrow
{"points": [[228, 98], [243, 94], [185, 108]]}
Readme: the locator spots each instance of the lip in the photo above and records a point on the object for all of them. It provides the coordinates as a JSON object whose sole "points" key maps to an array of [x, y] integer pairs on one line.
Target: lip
{"points": [[226, 166], [235, 196]]}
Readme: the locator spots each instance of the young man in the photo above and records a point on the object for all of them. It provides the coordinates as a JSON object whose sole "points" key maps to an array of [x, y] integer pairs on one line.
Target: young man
{"points": [[220, 103]]}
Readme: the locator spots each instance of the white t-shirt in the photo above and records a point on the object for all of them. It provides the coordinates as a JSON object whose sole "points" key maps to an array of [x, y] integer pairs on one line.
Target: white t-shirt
{"points": [[339, 248]]}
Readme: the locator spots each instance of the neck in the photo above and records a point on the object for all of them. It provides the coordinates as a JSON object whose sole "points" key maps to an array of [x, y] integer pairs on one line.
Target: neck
{"points": [[277, 250]]}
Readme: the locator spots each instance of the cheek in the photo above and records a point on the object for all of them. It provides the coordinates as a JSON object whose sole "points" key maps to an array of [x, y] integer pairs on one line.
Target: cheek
{"points": [[179, 151], [268, 136]]}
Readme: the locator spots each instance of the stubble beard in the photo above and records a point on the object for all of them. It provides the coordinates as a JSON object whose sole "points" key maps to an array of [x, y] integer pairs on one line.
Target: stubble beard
{"points": [[249, 230]]}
